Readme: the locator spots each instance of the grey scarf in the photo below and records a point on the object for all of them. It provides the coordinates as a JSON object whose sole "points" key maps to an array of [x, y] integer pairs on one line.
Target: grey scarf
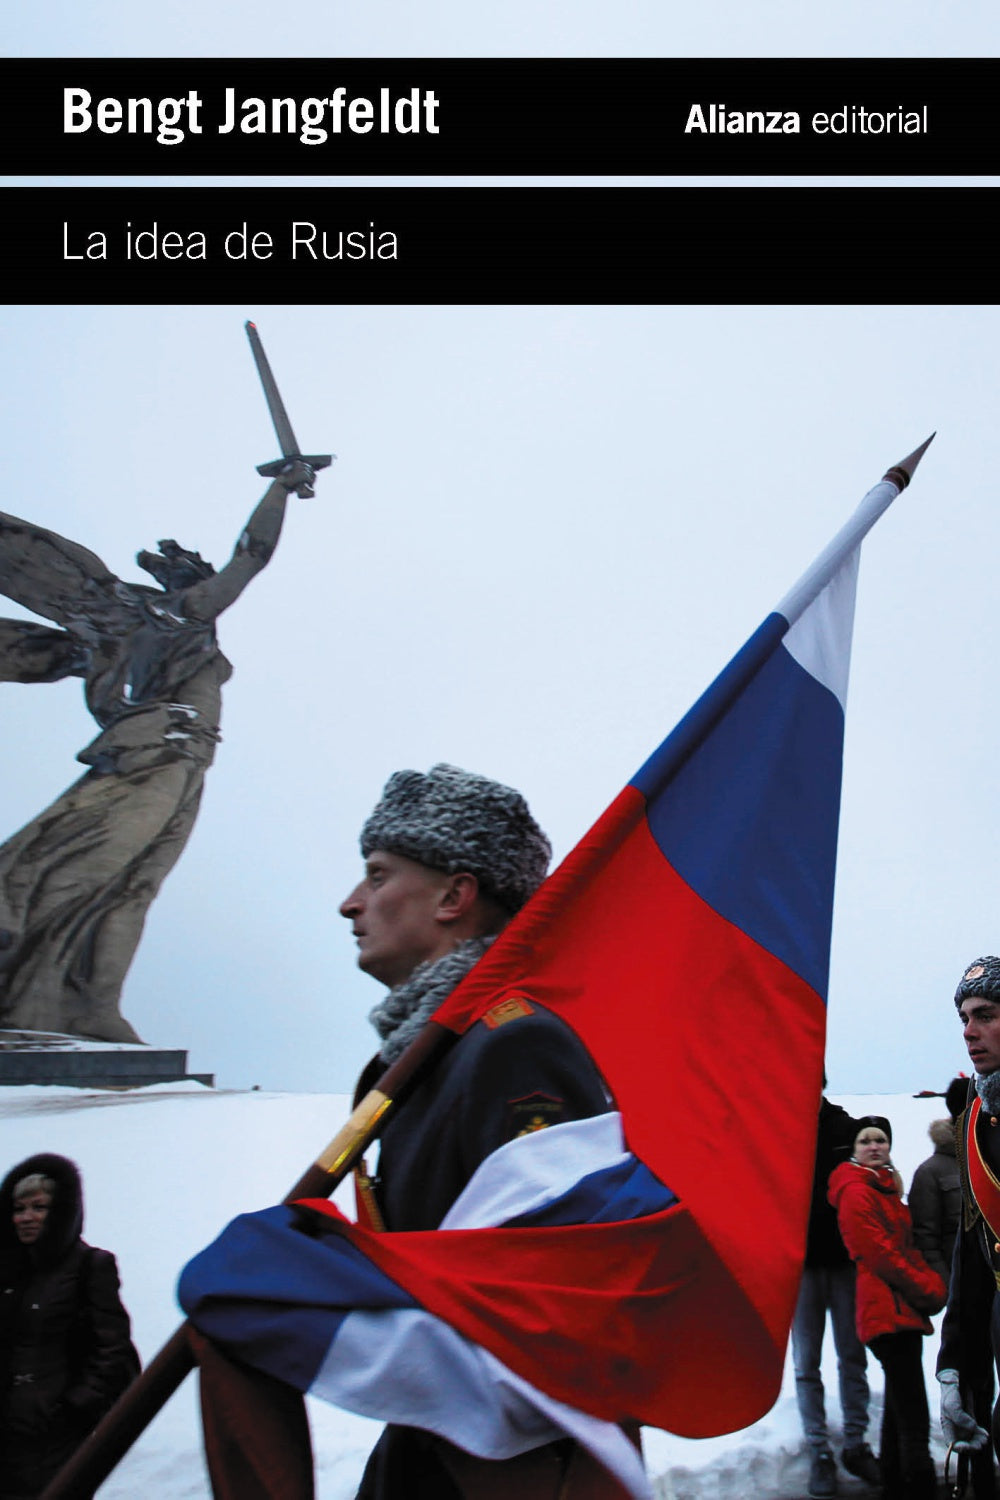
{"points": [[407, 1008], [988, 1089]]}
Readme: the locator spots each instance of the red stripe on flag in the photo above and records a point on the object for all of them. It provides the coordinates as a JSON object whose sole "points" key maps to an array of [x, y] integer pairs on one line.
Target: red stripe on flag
{"points": [[615, 1319], [711, 1047]]}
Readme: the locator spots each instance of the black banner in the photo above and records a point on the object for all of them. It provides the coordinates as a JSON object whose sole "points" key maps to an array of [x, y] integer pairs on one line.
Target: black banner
{"points": [[303, 244], [477, 117]]}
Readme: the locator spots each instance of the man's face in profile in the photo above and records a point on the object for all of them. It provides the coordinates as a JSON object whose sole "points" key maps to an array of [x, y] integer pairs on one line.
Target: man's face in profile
{"points": [[981, 1031], [393, 913]]}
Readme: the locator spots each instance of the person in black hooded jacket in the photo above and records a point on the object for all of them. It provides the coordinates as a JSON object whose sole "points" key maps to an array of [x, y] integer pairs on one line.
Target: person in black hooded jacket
{"points": [[65, 1347]]}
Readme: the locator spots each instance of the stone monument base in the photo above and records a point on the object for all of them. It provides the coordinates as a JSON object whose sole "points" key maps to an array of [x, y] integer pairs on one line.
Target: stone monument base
{"points": [[49, 1057]]}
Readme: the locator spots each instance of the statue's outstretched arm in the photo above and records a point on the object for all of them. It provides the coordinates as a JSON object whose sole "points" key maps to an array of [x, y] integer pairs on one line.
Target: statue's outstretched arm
{"points": [[54, 577], [207, 600]]}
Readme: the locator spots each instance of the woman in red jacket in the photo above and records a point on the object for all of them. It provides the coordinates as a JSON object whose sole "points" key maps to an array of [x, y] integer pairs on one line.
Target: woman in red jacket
{"points": [[896, 1289]]}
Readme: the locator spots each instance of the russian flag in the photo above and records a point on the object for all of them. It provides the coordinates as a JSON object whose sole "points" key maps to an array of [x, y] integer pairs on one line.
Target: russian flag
{"points": [[640, 1267]]}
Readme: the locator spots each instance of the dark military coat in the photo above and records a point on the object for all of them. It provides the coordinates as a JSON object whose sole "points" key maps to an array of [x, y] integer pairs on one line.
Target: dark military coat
{"points": [[970, 1332], [502, 1079]]}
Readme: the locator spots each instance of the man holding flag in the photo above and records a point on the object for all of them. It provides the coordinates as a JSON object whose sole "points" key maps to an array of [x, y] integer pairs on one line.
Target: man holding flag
{"points": [[449, 858], [596, 1274]]}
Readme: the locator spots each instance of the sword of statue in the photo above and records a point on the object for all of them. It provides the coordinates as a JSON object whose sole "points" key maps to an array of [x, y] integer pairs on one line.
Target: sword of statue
{"points": [[282, 426]]}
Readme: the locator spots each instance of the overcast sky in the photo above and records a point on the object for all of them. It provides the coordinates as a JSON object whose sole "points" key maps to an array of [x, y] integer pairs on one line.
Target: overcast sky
{"points": [[546, 530], [519, 28]]}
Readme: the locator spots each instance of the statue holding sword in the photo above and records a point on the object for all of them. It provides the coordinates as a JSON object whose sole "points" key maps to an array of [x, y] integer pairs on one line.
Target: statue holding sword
{"points": [[77, 881]]}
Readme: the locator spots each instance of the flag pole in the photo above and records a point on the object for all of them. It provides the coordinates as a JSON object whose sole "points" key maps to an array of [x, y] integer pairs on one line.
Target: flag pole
{"points": [[132, 1413], [149, 1393], [874, 504], [700, 719]]}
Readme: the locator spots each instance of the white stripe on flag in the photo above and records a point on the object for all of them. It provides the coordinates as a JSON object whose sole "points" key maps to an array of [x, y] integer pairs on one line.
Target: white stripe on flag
{"points": [[830, 560], [529, 1172], [820, 639], [411, 1368]]}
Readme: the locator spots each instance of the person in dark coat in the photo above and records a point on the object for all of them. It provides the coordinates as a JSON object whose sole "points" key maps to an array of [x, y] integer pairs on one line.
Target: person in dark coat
{"points": [[896, 1292], [65, 1347], [935, 1199], [449, 858], [970, 1331], [827, 1287]]}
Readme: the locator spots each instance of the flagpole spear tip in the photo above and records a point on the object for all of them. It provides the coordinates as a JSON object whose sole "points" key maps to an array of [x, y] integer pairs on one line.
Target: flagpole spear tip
{"points": [[901, 473]]}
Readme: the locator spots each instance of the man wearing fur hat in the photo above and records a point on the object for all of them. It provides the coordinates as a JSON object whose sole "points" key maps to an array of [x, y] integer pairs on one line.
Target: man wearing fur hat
{"points": [[449, 858], [970, 1334]]}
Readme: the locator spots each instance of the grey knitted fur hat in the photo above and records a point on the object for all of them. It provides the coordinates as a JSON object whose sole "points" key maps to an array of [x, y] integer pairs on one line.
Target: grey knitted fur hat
{"points": [[981, 980], [454, 820]]}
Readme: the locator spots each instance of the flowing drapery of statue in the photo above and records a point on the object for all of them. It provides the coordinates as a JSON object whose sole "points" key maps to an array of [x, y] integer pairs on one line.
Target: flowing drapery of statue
{"points": [[77, 881]]}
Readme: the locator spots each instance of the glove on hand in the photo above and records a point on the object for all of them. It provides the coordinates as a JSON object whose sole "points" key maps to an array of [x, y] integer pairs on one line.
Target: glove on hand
{"points": [[960, 1430]]}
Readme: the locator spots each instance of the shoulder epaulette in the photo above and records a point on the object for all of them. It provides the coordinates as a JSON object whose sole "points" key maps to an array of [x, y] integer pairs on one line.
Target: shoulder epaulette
{"points": [[510, 1009]]}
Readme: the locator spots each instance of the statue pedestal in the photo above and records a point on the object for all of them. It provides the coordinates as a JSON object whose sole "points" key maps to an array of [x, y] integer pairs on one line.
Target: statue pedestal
{"points": [[49, 1057]]}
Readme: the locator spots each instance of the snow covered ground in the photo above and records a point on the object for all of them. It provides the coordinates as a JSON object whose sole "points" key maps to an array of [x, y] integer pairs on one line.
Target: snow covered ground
{"points": [[165, 1167]]}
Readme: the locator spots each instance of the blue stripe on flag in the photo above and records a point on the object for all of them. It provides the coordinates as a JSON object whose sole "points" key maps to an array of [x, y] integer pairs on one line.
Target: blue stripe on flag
{"points": [[750, 822], [279, 1293], [610, 1195]]}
